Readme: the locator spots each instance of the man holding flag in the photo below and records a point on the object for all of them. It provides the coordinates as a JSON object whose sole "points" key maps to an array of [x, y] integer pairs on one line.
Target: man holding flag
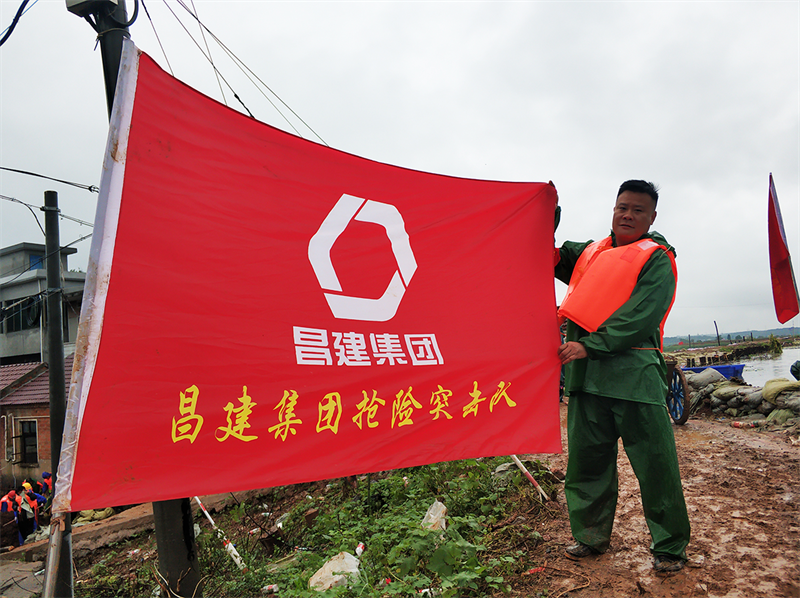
{"points": [[620, 292]]}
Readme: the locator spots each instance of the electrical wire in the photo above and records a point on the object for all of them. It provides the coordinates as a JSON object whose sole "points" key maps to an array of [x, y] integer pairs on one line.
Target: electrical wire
{"points": [[92, 188], [27, 268], [29, 206], [20, 11], [191, 37], [158, 39], [205, 41], [60, 215], [247, 72]]}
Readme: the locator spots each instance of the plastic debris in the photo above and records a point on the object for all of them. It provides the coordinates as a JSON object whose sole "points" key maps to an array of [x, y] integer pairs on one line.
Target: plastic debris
{"points": [[434, 518], [335, 572], [270, 589], [360, 549]]}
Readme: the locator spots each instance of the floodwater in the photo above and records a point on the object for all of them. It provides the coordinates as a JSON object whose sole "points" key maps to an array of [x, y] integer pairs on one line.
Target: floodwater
{"points": [[759, 369]]}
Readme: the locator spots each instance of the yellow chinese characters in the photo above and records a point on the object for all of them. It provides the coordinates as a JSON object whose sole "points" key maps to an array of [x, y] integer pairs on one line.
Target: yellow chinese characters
{"points": [[368, 406], [188, 426], [242, 415], [286, 417], [501, 393], [439, 402], [477, 399], [403, 408], [330, 410]]}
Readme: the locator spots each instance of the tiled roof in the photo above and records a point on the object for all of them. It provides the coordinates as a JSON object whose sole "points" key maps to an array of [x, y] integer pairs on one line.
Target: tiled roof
{"points": [[37, 390], [10, 373]]}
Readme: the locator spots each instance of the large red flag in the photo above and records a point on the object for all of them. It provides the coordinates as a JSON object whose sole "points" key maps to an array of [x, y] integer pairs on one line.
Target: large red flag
{"points": [[784, 287], [261, 310]]}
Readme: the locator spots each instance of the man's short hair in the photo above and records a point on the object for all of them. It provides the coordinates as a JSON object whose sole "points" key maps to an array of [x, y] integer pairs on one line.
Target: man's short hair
{"points": [[639, 187]]}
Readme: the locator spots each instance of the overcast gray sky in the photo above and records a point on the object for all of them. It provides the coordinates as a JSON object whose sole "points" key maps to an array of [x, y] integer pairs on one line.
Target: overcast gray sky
{"points": [[702, 98]]}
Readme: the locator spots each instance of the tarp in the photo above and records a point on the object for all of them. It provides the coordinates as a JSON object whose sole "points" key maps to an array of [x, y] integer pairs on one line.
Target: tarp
{"points": [[262, 310], [784, 286]]}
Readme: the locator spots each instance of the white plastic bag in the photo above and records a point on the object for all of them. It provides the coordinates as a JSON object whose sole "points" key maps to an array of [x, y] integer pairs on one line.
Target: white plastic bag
{"points": [[336, 572], [434, 518]]}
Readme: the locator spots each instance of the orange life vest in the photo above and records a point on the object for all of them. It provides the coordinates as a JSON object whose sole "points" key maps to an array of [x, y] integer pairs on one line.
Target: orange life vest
{"points": [[8, 501], [604, 278]]}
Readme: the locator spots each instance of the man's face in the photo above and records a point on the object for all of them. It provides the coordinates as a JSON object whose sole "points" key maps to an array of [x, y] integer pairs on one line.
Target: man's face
{"points": [[633, 214]]}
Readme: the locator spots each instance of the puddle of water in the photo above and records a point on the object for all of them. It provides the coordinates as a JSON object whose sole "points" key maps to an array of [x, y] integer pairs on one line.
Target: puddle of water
{"points": [[757, 370]]}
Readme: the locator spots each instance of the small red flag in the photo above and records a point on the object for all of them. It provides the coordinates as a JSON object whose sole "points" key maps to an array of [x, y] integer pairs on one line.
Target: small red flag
{"points": [[784, 287]]}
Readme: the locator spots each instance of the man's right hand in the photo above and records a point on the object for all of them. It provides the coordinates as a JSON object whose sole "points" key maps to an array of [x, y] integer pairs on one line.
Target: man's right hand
{"points": [[571, 351]]}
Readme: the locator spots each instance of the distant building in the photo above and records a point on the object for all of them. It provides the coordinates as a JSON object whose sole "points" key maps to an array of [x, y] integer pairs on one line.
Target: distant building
{"points": [[24, 373], [23, 286], [25, 417]]}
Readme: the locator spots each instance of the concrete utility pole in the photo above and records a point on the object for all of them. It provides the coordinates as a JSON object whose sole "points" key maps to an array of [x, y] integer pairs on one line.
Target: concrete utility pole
{"points": [[58, 398], [177, 549]]}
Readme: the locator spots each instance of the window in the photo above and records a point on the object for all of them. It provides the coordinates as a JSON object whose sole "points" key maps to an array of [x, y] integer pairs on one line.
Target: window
{"points": [[30, 448], [37, 262], [22, 315]]}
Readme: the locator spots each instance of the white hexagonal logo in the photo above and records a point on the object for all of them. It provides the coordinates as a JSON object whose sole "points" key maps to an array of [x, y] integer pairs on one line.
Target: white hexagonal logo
{"points": [[319, 254]]}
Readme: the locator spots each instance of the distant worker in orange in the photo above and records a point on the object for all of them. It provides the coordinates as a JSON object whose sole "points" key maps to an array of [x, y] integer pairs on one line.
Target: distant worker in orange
{"points": [[9, 503]]}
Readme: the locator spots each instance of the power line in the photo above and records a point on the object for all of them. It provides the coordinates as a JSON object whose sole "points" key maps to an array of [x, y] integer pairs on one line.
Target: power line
{"points": [[92, 188], [20, 11], [259, 84], [191, 37], [29, 267], [158, 39], [30, 207]]}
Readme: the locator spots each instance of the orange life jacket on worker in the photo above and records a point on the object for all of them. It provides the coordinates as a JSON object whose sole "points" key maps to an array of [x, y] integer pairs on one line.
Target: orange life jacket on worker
{"points": [[8, 501], [604, 278]]}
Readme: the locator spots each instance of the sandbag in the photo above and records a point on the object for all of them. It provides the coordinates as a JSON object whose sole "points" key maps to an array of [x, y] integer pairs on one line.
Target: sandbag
{"points": [[789, 401], [765, 407], [774, 387], [104, 514], [700, 379], [735, 402], [754, 399], [725, 391], [779, 416]]}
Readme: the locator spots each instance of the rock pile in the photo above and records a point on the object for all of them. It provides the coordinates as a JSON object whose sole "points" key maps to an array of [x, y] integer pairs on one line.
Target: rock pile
{"points": [[779, 399]]}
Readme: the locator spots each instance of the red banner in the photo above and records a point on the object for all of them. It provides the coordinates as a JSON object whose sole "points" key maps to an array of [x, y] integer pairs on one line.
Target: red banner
{"points": [[784, 287], [262, 310]]}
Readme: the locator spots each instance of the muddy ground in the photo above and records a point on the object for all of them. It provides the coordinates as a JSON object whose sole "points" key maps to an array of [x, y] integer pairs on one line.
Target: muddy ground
{"points": [[742, 488]]}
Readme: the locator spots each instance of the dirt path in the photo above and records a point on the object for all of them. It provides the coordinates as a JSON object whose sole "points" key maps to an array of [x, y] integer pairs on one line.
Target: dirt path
{"points": [[742, 491]]}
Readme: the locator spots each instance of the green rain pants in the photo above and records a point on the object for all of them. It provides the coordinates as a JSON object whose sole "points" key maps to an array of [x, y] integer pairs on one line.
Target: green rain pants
{"points": [[594, 425]]}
